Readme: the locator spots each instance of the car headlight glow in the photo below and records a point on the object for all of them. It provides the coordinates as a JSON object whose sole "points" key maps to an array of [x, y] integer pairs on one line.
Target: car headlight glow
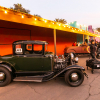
{"points": [[72, 55], [76, 58]]}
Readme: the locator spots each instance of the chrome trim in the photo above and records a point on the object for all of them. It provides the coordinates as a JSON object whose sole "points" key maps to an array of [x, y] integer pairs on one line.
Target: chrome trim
{"points": [[76, 67], [2, 76], [28, 80], [74, 77]]}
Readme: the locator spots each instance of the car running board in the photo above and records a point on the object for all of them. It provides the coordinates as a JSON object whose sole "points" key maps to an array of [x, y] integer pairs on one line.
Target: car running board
{"points": [[28, 78], [38, 78]]}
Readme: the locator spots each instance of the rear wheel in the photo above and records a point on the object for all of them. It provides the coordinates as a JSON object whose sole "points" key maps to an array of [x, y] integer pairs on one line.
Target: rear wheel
{"points": [[74, 77], [5, 77]]}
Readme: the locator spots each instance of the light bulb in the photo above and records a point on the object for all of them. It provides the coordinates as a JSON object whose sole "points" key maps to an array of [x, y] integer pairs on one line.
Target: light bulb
{"points": [[5, 12], [22, 16]]}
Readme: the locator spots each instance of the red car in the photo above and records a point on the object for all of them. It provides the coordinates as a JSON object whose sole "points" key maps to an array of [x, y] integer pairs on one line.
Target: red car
{"points": [[83, 49]]}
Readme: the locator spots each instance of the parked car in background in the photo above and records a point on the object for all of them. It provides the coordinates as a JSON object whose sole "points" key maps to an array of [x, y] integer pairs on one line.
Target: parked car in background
{"points": [[31, 62], [82, 49]]}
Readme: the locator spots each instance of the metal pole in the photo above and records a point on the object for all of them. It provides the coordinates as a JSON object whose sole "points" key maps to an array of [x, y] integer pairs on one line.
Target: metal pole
{"points": [[83, 38], [88, 38], [54, 42]]}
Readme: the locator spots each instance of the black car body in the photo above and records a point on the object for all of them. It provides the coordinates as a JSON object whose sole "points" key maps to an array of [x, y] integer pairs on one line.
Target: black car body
{"points": [[31, 62]]}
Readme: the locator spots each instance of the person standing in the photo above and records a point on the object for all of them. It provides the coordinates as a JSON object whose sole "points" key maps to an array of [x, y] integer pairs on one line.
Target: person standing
{"points": [[78, 44], [74, 44], [95, 43], [93, 49], [98, 47]]}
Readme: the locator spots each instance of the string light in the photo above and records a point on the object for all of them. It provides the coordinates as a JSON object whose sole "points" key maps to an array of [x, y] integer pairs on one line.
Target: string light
{"points": [[59, 24], [35, 19], [22, 16], [45, 21], [80, 30], [65, 25], [5, 12]]}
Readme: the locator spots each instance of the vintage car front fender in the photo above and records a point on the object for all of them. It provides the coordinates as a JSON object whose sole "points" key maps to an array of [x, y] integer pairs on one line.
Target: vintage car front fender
{"points": [[74, 67], [66, 69]]}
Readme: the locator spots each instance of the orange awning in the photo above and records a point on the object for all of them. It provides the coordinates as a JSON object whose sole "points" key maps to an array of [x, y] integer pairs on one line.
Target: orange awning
{"points": [[19, 17]]}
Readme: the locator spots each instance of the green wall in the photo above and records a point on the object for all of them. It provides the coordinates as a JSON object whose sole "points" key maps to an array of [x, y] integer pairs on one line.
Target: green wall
{"points": [[80, 38]]}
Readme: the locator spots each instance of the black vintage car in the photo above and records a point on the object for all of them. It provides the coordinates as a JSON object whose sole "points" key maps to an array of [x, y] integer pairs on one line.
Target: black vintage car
{"points": [[31, 62]]}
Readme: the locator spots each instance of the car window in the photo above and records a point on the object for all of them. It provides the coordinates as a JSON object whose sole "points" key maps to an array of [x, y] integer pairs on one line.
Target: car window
{"points": [[29, 47], [33, 49], [37, 49]]}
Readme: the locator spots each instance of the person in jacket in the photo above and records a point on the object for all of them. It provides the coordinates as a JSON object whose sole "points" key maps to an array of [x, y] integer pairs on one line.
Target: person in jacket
{"points": [[93, 49], [98, 47], [95, 43]]}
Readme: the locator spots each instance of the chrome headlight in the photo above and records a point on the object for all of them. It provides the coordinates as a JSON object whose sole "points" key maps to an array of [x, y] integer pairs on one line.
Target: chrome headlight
{"points": [[76, 58], [72, 55], [62, 56]]}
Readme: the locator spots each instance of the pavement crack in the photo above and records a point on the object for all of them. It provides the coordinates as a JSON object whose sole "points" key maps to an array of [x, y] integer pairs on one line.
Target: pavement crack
{"points": [[35, 90], [90, 88], [96, 94]]}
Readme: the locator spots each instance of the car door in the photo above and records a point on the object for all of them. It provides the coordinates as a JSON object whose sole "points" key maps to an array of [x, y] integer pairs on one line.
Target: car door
{"points": [[28, 63], [32, 63], [84, 49]]}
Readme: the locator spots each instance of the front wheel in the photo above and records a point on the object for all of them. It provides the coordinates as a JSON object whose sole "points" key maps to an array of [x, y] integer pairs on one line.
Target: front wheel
{"points": [[74, 77], [5, 77]]}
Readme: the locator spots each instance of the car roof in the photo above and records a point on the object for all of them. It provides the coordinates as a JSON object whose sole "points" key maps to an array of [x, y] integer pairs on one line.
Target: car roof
{"points": [[29, 42]]}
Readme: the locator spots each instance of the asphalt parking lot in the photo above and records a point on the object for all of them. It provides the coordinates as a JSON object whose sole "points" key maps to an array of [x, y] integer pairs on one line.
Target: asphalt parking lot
{"points": [[55, 89]]}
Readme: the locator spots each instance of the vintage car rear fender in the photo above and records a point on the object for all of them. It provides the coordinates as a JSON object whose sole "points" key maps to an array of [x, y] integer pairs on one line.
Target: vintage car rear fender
{"points": [[71, 50], [7, 65]]}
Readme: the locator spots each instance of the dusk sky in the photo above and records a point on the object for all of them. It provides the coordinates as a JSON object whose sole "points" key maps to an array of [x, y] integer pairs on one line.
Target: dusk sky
{"points": [[85, 12]]}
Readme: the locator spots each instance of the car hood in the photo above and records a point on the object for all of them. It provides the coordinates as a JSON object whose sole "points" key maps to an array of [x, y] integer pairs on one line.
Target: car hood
{"points": [[6, 56], [49, 53]]}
